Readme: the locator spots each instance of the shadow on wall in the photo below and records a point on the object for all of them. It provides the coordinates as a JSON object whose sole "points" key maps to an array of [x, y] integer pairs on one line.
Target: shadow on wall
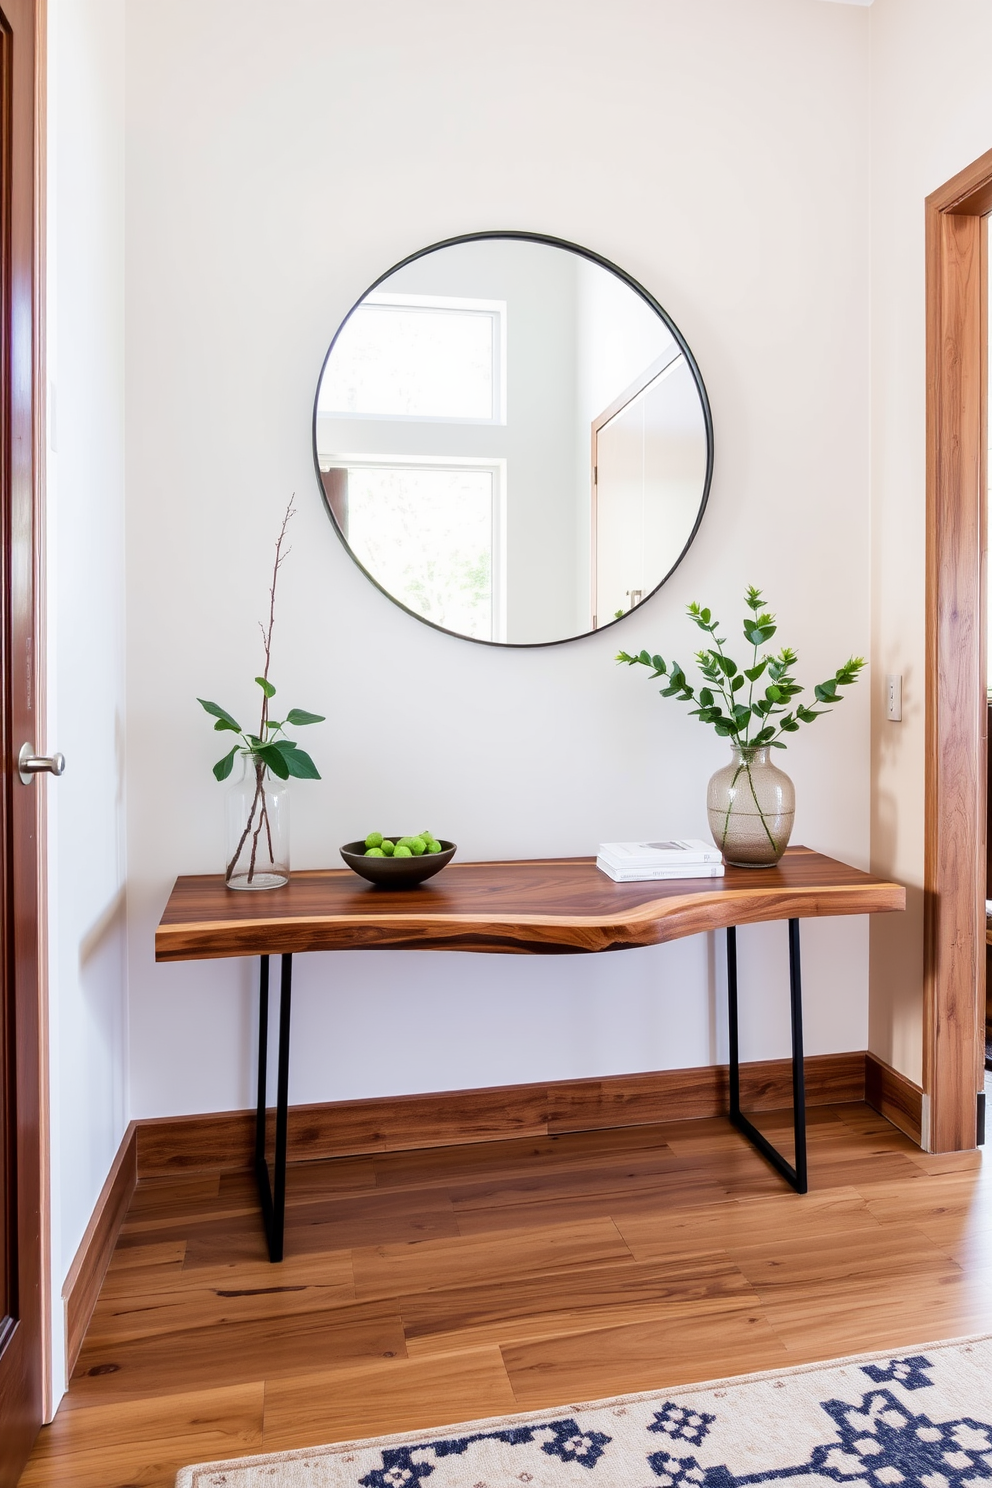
{"points": [[109, 923]]}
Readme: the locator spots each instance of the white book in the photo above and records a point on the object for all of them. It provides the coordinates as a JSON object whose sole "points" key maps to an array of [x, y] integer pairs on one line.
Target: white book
{"points": [[679, 852], [651, 875]]}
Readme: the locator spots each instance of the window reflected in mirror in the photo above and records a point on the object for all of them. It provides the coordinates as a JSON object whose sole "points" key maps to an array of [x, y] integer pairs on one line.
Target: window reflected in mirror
{"points": [[512, 439]]}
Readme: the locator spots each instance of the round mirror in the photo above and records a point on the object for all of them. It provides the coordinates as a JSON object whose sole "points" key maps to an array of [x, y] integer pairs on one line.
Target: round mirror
{"points": [[512, 439]]}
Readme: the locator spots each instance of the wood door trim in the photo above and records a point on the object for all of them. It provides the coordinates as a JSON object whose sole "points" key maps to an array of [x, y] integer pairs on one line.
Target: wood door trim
{"points": [[659, 365], [954, 801], [969, 193], [40, 376]]}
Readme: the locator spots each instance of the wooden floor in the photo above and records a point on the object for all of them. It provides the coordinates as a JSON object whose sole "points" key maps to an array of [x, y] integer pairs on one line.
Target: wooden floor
{"points": [[428, 1287]]}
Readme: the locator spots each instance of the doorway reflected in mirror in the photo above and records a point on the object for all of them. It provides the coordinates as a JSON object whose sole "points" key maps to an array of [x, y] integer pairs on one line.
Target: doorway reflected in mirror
{"points": [[513, 439]]}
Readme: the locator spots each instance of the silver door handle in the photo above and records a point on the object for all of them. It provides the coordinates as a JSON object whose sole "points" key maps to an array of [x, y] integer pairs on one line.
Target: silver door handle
{"points": [[30, 764]]}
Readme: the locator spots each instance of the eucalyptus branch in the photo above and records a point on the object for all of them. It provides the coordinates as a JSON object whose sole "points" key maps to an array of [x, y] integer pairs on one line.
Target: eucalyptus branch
{"points": [[717, 702]]}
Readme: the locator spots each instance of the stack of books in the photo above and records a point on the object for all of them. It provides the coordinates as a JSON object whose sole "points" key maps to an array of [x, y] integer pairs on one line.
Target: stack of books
{"points": [[637, 862]]}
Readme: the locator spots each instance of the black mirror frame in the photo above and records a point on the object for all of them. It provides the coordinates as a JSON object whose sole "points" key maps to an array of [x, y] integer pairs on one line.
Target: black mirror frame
{"points": [[659, 310]]}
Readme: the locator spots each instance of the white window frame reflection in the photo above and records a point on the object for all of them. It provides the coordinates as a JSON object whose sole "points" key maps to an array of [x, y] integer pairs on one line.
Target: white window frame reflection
{"points": [[495, 310], [496, 468]]}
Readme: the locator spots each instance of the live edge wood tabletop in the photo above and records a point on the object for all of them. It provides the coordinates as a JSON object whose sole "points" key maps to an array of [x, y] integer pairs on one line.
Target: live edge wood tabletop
{"points": [[541, 906]]}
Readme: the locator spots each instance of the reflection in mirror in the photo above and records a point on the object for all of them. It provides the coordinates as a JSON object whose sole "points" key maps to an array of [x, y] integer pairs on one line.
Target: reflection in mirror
{"points": [[512, 439]]}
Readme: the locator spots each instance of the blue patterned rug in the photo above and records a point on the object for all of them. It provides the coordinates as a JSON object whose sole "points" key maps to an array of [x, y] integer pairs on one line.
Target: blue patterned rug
{"points": [[920, 1419]]}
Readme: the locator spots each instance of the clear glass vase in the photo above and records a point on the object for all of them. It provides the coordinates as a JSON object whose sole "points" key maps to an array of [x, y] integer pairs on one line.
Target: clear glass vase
{"points": [[751, 805], [257, 828]]}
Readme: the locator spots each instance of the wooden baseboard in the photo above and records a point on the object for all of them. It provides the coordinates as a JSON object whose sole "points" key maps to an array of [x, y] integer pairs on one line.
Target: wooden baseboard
{"points": [[894, 1096], [225, 1140], [85, 1278]]}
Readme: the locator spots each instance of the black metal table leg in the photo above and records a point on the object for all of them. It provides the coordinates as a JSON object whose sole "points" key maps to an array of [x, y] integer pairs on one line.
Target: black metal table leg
{"points": [[797, 1175], [273, 1193]]}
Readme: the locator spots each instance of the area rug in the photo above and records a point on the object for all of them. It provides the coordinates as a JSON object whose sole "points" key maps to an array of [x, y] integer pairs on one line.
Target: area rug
{"points": [[921, 1419]]}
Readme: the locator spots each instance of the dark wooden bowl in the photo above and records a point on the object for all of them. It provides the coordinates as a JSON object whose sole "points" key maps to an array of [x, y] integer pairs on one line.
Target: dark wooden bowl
{"points": [[397, 873]]}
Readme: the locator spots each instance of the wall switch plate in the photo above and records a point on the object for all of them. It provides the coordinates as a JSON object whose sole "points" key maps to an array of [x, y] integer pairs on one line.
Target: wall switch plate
{"points": [[893, 697]]}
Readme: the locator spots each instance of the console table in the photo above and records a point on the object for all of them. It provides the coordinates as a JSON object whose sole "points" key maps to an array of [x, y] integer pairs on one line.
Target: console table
{"points": [[556, 906]]}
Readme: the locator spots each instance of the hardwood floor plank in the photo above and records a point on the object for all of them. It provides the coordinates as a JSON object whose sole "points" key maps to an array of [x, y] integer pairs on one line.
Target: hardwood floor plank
{"points": [[385, 1271], [133, 1268], [331, 1268], [157, 1253], [953, 1210], [337, 1223], [139, 1230], [235, 1352], [898, 1312], [316, 1178], [601, 1296], [119, 1320], [482, 1161], [706, 1138], [161, 1198], [640, 1173], [747, 1222], [675, 1190], [898, 1252], [948, 1162], [402, 1395], [146, 1441], [642, 1356]]}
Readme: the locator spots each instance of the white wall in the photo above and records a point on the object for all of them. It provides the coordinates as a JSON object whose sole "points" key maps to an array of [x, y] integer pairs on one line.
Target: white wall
{"points": [[278, 159], [931, 116], [85, 593]]}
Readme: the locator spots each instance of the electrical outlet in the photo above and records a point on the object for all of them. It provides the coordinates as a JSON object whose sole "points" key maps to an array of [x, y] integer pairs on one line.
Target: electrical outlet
{"points": [[893, 697]]}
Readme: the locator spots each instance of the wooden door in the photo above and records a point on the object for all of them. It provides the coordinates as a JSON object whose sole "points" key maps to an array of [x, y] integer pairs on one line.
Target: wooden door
{"points": [[649, 470], [618, 511], [21, 1273]]}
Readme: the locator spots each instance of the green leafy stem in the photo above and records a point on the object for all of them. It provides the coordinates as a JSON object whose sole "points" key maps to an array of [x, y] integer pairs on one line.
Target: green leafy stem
{"points": [[267, 751], [721, 702], [758, 719], [282, 756]]}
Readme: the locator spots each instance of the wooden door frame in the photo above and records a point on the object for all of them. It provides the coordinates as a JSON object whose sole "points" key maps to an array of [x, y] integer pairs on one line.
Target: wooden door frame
{"points": [[956, 744], [27, 1381]]}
